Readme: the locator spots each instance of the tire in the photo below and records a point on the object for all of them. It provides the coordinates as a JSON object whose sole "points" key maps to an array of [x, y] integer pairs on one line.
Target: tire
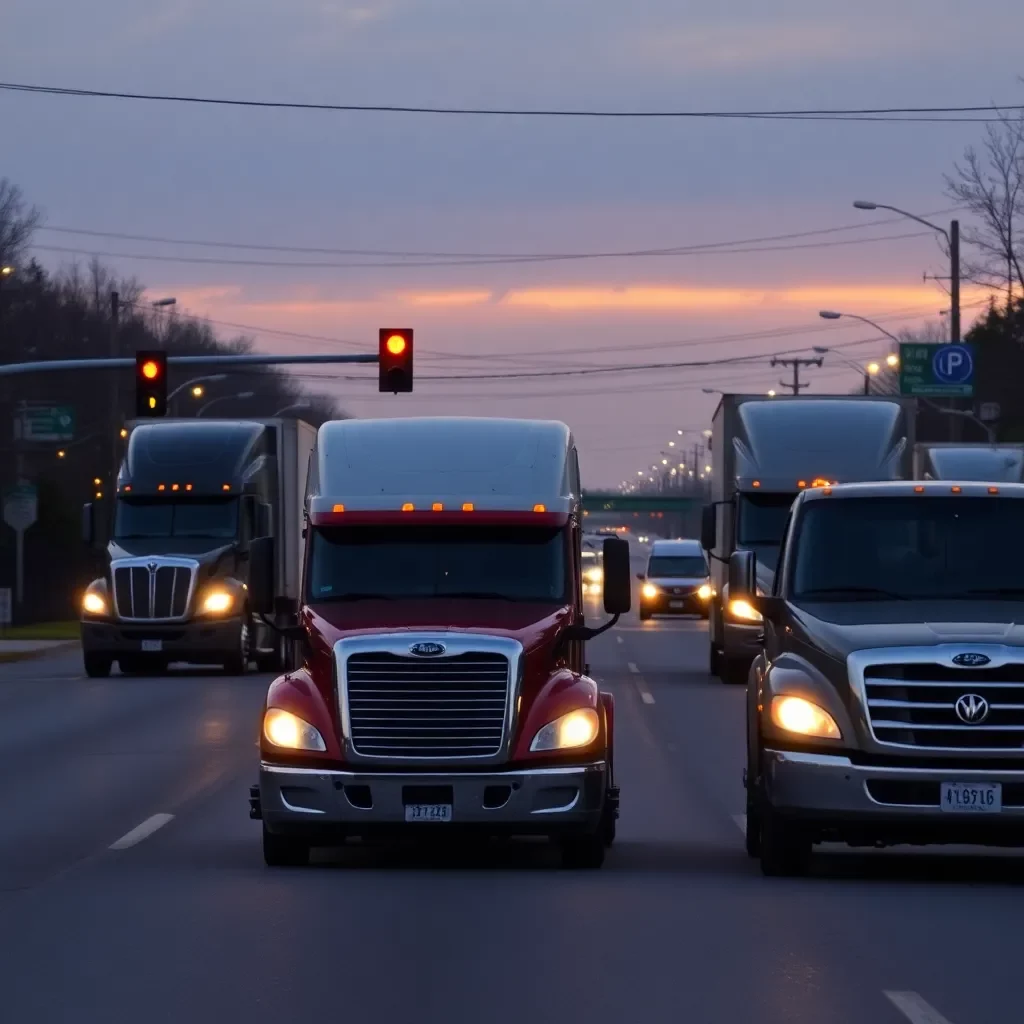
{"points": [[734, 671], [753, 830], [784, 848], [714, 659], [276, 661], [237, 662], [97, 666], [284, 851], [584, 853]]}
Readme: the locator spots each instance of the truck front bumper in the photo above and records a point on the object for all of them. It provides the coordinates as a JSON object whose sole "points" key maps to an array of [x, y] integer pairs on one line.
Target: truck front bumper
{"points": [[537, 801], [200, 642], [879, 804]]}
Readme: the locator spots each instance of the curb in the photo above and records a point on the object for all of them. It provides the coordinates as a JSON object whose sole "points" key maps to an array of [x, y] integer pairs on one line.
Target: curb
{"points": [[11, 657]]}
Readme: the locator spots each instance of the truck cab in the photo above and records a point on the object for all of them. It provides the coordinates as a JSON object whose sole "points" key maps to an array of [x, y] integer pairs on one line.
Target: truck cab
{"points": [[886, 705], [764, 453], [994, 463], [443, 684], [191, 498]]}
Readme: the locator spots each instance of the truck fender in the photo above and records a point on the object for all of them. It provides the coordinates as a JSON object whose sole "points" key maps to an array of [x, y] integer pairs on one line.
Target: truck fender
{"points": [[607, 702]]}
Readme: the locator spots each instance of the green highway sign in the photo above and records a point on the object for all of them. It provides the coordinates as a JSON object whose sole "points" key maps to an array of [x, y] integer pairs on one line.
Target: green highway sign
{"points": [[47, 423], [937, 371]]}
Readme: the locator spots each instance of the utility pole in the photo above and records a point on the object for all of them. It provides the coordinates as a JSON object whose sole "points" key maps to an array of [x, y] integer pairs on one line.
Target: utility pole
{"points": [[796, 386], [115, 425]]}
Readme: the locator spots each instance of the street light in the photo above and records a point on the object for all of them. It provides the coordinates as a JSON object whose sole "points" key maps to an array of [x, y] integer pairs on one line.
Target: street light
{"points": [[771, 392], [872, 369], [829, 314], [294, 406], [194, 384], [224, 398], [952, 237]]}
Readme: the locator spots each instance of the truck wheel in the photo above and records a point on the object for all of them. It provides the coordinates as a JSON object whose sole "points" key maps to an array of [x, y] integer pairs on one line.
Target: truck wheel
{"points": [[785, 849], [237, 662], [608, 827], [734, 671], [714, 659], [584, 852], [284, 851], [97, 666]]}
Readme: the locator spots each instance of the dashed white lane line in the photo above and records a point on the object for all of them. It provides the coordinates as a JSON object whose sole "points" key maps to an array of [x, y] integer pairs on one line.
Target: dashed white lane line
{"points": [[632, 667], [647, 698], [915, 1009], [140, 832], [741, 822], [619, 640], [645, 695]]}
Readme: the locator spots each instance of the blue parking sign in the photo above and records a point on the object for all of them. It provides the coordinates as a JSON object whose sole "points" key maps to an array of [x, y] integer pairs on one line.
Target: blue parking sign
{"points": [[953, 364]]}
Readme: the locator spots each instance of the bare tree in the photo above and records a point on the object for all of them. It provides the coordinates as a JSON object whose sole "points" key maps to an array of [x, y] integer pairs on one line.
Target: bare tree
{"points": [[990, 184], [17, 222]]}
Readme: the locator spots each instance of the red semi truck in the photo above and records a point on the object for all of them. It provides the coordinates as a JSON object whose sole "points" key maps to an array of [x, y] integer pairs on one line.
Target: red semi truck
{"points": [[443, 685]]}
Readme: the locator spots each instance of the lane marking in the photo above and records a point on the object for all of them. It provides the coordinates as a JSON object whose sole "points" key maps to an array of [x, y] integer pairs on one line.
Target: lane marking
{"points": [[915, 1009], [618, 639], [647, 698], [741, 822], [140, 832], [632, 668]]}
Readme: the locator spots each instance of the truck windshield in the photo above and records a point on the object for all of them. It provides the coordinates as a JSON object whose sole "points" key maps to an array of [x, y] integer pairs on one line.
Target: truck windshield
{"points": [[924, 548], [762, 518], [677, 566], [506, 563], [195, 518]]}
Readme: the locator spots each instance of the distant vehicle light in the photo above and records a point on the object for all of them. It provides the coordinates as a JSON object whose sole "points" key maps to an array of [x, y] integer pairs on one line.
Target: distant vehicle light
{"points": [[283, 729], [408, 507], [338, 508], [437, 507], [93, 604], [467, 506], [217, 602], [740, 609], [650, 591], [540, 508], [575, 729], [704, 592], [796, 715]]}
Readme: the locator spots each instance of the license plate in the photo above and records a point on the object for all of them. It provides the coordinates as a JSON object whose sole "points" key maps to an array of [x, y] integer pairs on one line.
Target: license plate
{"points": [[676, 604], [152, 646], [428, 812], [972, 797]]}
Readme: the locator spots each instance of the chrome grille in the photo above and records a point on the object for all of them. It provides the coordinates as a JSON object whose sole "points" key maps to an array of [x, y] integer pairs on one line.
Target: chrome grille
{"points": [[914, 704], [161, 592], [403, 707]]}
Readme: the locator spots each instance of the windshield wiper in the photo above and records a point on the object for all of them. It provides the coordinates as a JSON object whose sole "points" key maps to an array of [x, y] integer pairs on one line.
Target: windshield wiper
{"points": [[853, 591]]}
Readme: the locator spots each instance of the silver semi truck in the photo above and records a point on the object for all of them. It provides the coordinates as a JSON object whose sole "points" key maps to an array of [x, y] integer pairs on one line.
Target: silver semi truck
{"points": [[994, 463], [764, 452]]}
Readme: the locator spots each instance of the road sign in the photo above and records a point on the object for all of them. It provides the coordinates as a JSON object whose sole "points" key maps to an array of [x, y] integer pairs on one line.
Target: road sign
{"points": [[46, 423], [20, 506], [937, 370]]}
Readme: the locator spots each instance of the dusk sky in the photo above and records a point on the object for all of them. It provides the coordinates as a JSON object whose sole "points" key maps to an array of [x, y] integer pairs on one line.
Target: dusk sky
{"points": [[362, 181]]}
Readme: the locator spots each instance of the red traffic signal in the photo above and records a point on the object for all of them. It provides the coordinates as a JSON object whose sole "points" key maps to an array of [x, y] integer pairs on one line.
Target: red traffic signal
{"points": [[150, 384], [395, 360]]}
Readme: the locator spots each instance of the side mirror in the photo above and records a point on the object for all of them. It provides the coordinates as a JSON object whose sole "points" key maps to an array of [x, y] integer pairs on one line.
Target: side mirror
{"points": [[709, 527], [618, 584], [742, 576], [88, 524], [261, 575]]}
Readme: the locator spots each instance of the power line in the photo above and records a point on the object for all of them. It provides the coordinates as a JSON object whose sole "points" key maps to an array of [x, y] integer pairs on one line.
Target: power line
{"points": [[837, 114], [413, 264], [427, 254]]}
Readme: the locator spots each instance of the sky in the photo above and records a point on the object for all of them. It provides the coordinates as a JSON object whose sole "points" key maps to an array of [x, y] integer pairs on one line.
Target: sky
{"points": [[515, 185]]}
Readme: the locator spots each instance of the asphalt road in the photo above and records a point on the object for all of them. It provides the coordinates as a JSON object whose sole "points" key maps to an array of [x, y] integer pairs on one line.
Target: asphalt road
{"points": [[132, 886]]}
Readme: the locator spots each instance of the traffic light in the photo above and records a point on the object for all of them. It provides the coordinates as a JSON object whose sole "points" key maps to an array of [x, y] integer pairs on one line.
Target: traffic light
{"points": [[395, 358], [150, 384]]}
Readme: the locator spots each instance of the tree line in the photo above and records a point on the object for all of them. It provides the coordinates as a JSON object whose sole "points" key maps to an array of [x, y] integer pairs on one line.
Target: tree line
{"points": [[73, 314]]}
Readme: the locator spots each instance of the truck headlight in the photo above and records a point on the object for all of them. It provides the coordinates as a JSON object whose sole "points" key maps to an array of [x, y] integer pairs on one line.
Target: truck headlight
{"points": [[576, 729], [594, 575], [740, 609], [650, 591], [283, 729], [216, 602], [794, 714], [704, 592], [93, 603]]}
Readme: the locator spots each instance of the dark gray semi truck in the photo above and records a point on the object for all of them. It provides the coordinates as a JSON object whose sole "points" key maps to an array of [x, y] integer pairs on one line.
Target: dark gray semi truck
{"points": [[191, 497], [764, 453]]}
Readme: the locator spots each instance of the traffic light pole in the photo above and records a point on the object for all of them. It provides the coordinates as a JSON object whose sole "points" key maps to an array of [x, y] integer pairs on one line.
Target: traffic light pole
{"points": [[115, 398], [120, 363]]}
